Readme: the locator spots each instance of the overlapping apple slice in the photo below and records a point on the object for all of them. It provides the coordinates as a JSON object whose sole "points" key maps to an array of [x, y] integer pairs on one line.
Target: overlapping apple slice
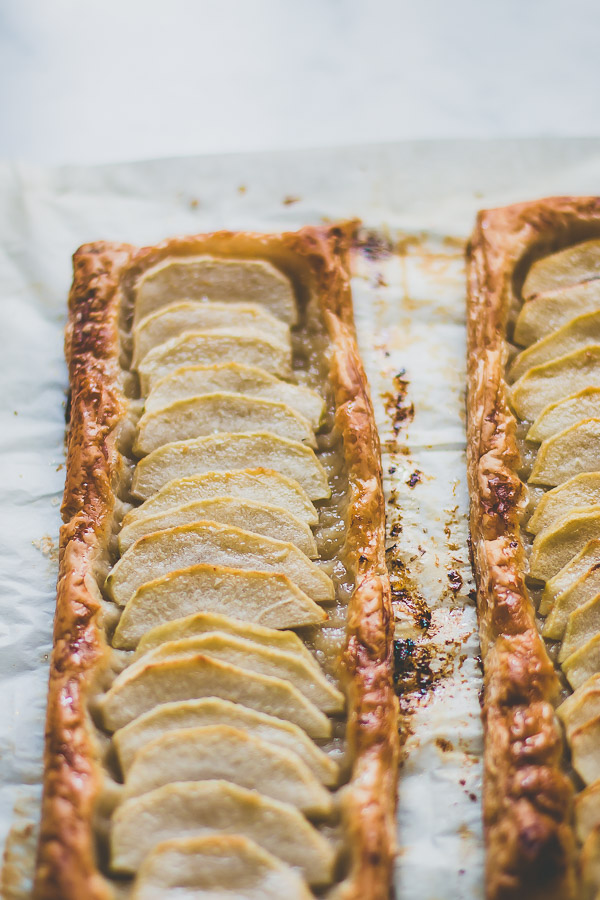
{"points": [[589, 864], [577, 333], [203, 623], [209, 347], [585, 560], [261, 518], [221, 752], [230, 864], [582, 705], [570, 452], [583, 663], [190, 809], [585, 588], [246, 654], [587, 810], [564, 539], [555, 380], [172, 320], [549, 311], [579, 491], [246, 484], [227, 451], [218, 280], [192, 381], [267, 598], [582, 625], [577, 263], [219, 412], [213, 711], [557, 416], [218, 545], [140, 688], [584, 742]]}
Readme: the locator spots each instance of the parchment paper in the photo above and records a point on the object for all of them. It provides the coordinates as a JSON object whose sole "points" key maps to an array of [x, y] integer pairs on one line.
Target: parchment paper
{"points": [[418, 202]]}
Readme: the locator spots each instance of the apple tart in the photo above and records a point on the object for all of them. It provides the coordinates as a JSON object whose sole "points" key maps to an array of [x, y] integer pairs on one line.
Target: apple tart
{"points": [[221, 716], [534, 479]]}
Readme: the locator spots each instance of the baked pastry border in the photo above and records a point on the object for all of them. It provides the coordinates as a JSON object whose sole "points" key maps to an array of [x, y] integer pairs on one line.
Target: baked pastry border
{"points": [[527, 795], [66, 864]]}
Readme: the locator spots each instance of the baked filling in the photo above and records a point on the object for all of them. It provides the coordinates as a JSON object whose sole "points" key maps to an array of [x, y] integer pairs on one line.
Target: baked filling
{"points": [[534, 479], [555, 394], [220, 705]]}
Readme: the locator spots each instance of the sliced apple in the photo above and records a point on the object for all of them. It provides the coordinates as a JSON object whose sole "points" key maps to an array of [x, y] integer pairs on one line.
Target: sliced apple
{"points": [[585, 588], [555, 380], [192, 381], [232, 865], [579, 262], [261, 518], [218, 545], [587, 810], [556, 417], [229, 754], [189, 315], [139, 689], [565, 538], [582, 705], [589, 864], [224, 452], [584, 750], [246, 484], [582, 664], [581, 490], [568, 453], [212, 413], [203, 623], [209, 347], [218, 280], [213, 711], [266, 598], [254, 657], [549, 311], [577, 333], [190, 809], [582, 625], [568, 575]]}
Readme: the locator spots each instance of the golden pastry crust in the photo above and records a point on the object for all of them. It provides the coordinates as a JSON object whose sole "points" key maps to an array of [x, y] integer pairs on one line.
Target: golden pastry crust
{"points": [[316, 258], [527, 796]]}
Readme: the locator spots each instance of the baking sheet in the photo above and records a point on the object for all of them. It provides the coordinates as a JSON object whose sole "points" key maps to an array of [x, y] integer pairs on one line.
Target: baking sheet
{"points": [[417, 202]]}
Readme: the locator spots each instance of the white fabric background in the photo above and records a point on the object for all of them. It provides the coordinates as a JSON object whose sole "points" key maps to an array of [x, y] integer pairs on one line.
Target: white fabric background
{"points": [[87, 82]]}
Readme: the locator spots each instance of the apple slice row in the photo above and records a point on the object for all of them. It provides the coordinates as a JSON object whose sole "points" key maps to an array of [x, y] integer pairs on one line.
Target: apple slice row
{"points": [[556, 390], [217, 708]]}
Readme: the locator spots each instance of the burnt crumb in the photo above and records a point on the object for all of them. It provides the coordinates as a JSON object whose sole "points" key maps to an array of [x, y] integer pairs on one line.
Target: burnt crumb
{"points": [[455, 580], [396, 530], [415, 478], [445, 745], [289, 199], [194, 203], [473, 595], [380, 282], [391, 470], [417, 666], [413, 603], [513, 545], [395, 402], [242, 189], [373, 244], [473, 797]]}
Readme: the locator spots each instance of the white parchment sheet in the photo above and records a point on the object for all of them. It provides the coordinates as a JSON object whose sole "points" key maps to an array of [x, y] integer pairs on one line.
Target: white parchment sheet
{"points": [[418, 203]]}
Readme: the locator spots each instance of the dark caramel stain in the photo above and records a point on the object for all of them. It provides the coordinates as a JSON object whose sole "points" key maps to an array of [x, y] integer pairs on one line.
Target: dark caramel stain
{"points": [[406, 598], [396, 405], [415, 478], [455, 580], [373, 244], [444, 745]]}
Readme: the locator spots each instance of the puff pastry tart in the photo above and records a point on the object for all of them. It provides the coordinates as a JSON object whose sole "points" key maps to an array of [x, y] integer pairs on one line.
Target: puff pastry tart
{"points": [[534, 477], [221, 717]]}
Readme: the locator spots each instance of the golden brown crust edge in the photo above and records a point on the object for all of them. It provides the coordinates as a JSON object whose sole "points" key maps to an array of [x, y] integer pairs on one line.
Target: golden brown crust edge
{"points": [[527, 796], [66, 866]]}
